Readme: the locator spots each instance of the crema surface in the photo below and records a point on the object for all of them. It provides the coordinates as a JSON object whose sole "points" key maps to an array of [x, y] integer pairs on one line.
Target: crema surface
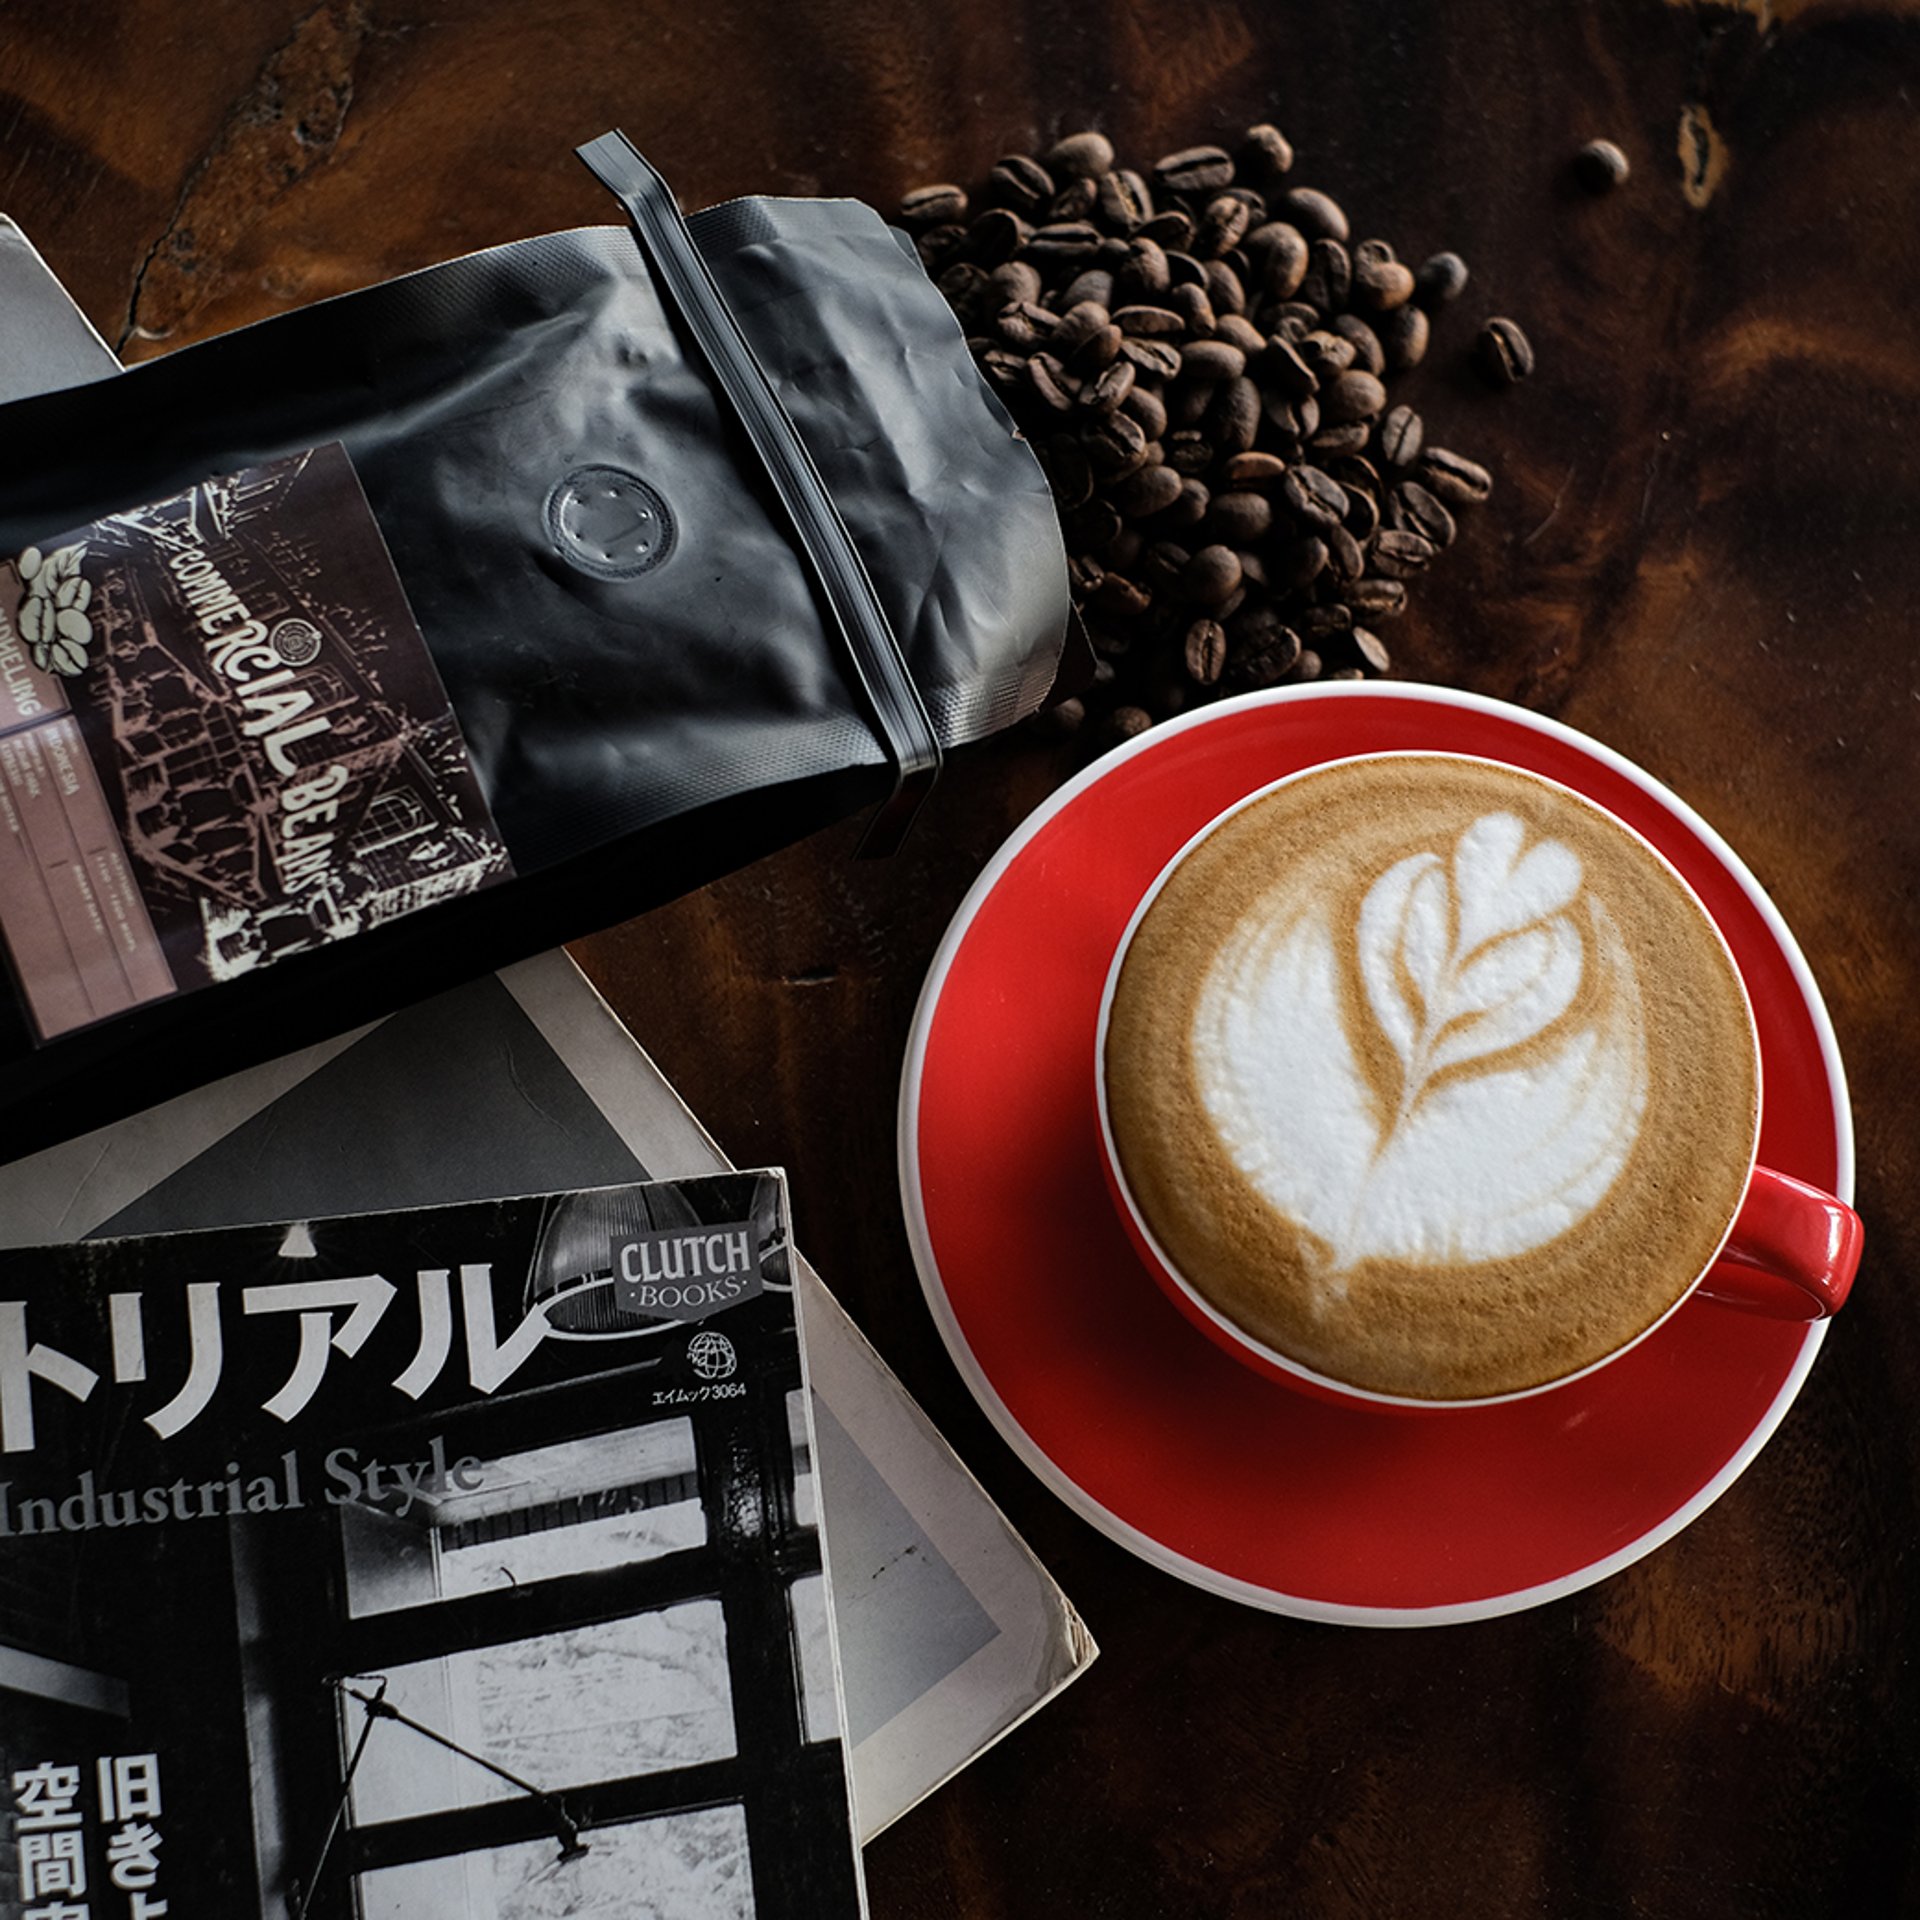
{"points": [[1430, 1075]]}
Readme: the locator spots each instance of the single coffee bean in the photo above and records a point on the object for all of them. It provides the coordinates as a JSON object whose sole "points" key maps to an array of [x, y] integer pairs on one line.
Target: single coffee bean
{"points": [[1096, 353], [1206, 651], [1126, 723], [1600, 166], [1238, 331], [1363, 512], [1297, 564], [1004, 366], [1225, 287], [1234, 417], [1117, 594], [1379, 284], [1345, 561], [1051, 381], [1423, 514], [996, 237], [1022, 183], [938, 245], [1400, 437], [1263, 657], [1124, 202], [1144, 277], [1080, 155], [1212, 576], [1314, 213], [1211, 360], [965, 287], [1015, 281], [1193, 306], [1191, 507], [1325, 622], [1075, 200], [1183, 270], [1194, 170], [1458, 481], [1188, 401], [1069, 471], [1221, 226], [933, 206], [1282, 363], [1329, 276], [1315, 498], [1079, 322], [1350, 396], [1439, 278], [1354, 471], [1189, 451], [1158, 358], [1505, 353], [1062, 243], [1240, 518], [1292, 421], [1112, 250], [1399, 554], [1281, 260], [1092, 286], [1373, 598], [1368, 355], [1372, 650], [1061, 721], [1253, 570], [1403, 336], [1347, 673], [1163, 562], [1148, 408], [1351, 436], [1254, 469], [1105, 392], [1116, 443], [1307, 667], [1327, 356], [1150, 322], [1124, 549], [1265, 154], [1171, 228]]}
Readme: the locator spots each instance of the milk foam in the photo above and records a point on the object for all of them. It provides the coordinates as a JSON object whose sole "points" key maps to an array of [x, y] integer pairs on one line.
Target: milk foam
{"points": [[1509, 1115]]}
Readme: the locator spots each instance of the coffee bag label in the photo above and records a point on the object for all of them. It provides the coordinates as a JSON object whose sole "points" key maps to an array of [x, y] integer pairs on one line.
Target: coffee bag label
{"points": [[222, 741]]}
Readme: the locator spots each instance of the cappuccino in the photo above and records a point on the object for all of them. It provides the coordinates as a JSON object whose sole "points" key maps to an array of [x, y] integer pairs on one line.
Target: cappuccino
{"points": [[1430, 1076]]}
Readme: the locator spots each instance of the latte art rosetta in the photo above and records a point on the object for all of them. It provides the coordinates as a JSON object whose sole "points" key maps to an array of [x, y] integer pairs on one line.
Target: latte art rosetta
{"points": [[1457, 1074]]}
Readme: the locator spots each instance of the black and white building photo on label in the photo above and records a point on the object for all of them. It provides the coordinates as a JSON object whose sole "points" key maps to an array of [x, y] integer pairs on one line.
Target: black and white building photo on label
{"points": [[456, 1564]]}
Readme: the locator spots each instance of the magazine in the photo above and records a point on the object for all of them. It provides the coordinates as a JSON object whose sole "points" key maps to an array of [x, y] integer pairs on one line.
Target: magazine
{"points": [[462, 1563]]}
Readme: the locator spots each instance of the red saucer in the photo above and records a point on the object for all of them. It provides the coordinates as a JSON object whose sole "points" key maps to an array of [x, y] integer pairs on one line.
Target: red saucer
{"points": [[1235, 1482]]}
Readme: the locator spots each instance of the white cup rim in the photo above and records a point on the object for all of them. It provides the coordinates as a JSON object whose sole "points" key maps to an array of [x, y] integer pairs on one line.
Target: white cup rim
{"points": [[1231, 1333]]}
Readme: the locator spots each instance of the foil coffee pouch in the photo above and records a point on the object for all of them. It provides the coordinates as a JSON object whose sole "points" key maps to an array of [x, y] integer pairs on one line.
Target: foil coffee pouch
{"points": [[393, 639]]}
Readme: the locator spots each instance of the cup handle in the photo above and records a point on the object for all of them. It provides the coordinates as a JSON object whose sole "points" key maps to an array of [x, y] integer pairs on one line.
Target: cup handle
{"points": [[1792, 1253]]}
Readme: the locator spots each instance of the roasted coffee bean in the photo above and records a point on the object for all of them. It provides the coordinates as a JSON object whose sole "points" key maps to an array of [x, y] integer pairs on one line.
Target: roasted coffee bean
{"points": [[1380, 282], [1171, 228], [1050, 380], [1314, 213], [1070, 472], [1254, 469], [1193, 306], [1092, 286], [1253, 570], [1124, 201], [1191, 507], [1349, 437], [1225, 288], [1080, 155], [1505, 354], [1438, 279], [1160, 358], [1116, 443], [1112, 251], [1376, 599], [1107, 389], [1238, 331], [1124, 549], [1061, 721], [1221, 226], [1293, 319], [933, 206], [1194, 170], [1126, 723], [1234, 417], [1079, 322], [1327, 356], [1189, 451], [1240, 518], [1423, 514], [1345, 561], [1400, 437], [1325, 622], [1150, 322], [1403, 336], [1093, 527], [1164, 561], [1286, 367], [1265, 155], [1183, 270], [1211, 360], [1280, 258], [1025, 324], [1097, 352], [1458, 481], [1347, 673], [1188, 401], [1329, 276], [1368, 354], [1004, 367], [1363, 512], [1212, 576], [1293, 421], [1297, 564], [1015, 282], [938, 245], [1314, 497], [1117, 594], [1062, 243], [965, 287], [996, 237], [1206, 651], [1350, 396], [1084, 574], [1075, 200], [1144, 277], [1600, 166], [1148, 408], [1372, 650], [1022, 183], [1262, 657], [1398, 554]]}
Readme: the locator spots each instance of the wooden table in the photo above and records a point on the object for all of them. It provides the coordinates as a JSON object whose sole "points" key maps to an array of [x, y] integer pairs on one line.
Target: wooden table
{"points": [[1704, 548]]}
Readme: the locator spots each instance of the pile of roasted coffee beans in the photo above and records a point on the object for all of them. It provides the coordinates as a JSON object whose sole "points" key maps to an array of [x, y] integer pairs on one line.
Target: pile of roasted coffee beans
{"points": [[1200, 354]]}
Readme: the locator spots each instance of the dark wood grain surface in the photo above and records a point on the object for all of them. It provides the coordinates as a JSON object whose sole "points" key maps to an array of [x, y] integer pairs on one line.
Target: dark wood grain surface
{"points": [[1704, 548]]}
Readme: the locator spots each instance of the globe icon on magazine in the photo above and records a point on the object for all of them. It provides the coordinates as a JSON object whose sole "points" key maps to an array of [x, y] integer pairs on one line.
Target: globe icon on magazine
{"points": [[712, 1355]]}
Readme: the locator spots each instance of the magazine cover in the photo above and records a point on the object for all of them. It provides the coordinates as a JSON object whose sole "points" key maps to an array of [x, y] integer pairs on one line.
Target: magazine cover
{"points": [[453, 1564]]}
